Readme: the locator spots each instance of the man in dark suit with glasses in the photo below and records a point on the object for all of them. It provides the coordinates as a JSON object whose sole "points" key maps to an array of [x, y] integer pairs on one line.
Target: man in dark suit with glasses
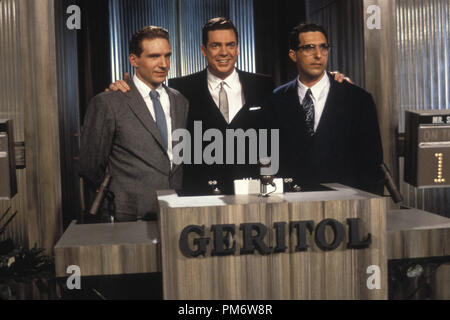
{"points": [[329, 131]]}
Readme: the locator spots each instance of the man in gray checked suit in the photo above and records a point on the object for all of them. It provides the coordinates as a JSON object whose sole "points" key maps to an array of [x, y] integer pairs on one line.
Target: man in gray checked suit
{"points": [[130, 135]]}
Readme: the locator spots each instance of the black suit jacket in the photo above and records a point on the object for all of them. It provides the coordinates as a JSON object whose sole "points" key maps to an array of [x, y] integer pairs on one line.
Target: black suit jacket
{"points": [[254, 114], [346, 147]]}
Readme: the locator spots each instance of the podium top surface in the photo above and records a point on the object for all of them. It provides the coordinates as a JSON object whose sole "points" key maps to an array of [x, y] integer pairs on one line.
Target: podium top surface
{"points": [[170, 199], [415, 219], [109, 234]]}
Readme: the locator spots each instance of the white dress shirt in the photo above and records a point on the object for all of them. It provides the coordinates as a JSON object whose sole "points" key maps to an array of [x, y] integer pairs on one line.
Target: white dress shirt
{"points": [[233, 88], [319, 96], [144, 90]]}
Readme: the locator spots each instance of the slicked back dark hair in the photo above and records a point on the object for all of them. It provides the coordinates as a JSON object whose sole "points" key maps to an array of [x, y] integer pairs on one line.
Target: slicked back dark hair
{"points": [[148, 33], [302, 28], [218, 23]]}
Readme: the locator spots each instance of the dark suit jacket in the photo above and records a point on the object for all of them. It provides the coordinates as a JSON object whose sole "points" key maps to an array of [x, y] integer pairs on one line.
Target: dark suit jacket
{"points": [[346, 147], [120, 132], [257, 90]]}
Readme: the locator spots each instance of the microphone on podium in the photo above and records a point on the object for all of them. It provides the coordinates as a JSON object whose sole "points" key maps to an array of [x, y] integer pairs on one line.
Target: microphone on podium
{"points": [[265, 179]]}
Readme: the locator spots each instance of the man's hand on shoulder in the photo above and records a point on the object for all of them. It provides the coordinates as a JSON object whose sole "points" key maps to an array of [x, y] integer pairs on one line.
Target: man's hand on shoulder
{"points": [[121, 85], [339, 77]]}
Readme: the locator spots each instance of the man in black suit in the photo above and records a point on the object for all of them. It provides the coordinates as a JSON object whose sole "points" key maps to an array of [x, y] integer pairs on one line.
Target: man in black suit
{"points": [[247, 96], [328, 130]]}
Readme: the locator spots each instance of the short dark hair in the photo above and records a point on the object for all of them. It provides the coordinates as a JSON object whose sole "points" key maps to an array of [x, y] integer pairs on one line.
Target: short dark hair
{"points": [[218, 23], [302, 28], [148, 33]]}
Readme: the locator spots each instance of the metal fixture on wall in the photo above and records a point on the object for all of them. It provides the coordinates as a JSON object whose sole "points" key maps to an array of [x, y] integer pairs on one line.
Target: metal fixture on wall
{"points": [[8, 181], [427, 155]]}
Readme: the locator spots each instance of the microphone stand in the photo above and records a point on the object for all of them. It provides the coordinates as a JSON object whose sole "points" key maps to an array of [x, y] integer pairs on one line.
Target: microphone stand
{"points": [[101, 194], [390, 185]]}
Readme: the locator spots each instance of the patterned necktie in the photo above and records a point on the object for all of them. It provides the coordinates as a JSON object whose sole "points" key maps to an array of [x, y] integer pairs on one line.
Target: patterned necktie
{"points": [[160, 116], [223, 102], [308, 106]]}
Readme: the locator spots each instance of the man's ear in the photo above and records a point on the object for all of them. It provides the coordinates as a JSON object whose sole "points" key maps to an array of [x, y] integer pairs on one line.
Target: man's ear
{"points": [[203, 49], [293, 55], [133, 60]]}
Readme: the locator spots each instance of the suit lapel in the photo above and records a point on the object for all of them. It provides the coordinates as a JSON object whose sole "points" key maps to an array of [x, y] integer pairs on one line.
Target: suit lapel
{"points": [[294, 107], [176, 117], [139, 108], [329, 111], [246, 88], [292, 114], [175, 114], [250, 91], [294, 99], [248, 94]]}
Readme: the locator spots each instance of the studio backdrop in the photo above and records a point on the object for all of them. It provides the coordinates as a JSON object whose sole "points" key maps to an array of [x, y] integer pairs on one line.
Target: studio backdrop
{"points": [[184, 20]]}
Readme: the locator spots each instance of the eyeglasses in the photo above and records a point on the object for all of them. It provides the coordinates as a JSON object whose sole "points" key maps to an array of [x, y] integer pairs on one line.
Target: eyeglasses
{"points": [[310, 49]]}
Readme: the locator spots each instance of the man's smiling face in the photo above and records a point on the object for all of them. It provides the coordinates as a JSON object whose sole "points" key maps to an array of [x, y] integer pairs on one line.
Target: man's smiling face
{"points": [[221, 51]]}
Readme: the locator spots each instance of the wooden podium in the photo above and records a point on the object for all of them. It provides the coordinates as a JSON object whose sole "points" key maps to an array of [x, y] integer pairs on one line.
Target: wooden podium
{"points": [[314, 273], [109, 249], [287, 246]]}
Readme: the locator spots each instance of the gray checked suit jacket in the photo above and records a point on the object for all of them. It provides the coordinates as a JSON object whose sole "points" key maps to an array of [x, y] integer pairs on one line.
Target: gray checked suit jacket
{"points": [[120, 132]]}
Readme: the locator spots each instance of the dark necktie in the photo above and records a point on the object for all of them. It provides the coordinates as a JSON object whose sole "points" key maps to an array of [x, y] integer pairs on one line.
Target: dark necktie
{"points": [[308, 106], [160, 116]]}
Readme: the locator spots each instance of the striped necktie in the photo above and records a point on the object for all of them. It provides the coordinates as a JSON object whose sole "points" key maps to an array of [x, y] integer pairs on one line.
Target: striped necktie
{"points": [[308, 107]]}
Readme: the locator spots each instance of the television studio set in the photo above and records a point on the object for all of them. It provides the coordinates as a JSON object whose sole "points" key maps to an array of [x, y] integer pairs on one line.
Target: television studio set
{"points": [[225, 157]]}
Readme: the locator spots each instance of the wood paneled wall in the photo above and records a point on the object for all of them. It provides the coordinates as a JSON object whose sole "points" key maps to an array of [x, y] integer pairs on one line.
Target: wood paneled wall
{"points": [[12, 107], [68, 110], [380, 65], [28, 29]]}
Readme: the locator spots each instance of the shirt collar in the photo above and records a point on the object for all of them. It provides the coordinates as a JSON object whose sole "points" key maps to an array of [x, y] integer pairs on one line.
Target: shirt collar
{"points": [[144, 89], [317, 90], [231, 81]]}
